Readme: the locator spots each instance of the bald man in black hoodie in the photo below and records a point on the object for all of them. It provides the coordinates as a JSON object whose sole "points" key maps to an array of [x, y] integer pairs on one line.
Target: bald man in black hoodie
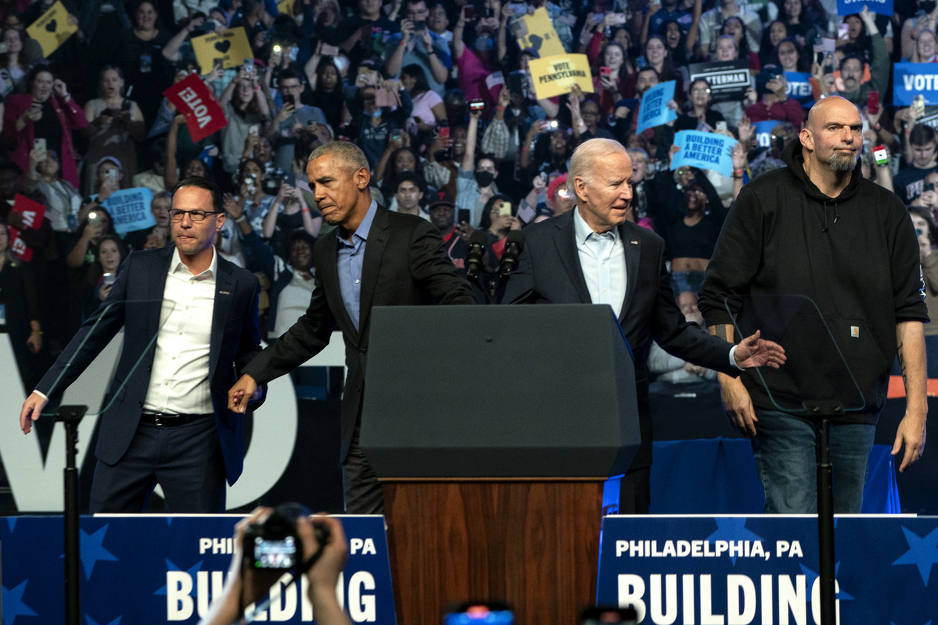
{"points": [[818, 229]]}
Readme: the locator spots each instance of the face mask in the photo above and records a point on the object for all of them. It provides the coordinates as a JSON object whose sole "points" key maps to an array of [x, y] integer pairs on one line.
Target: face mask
{"points": [[484, 178]]}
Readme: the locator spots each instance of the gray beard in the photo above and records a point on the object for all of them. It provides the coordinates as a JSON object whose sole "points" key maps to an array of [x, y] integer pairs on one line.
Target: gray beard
{"points": [[843, 162]]}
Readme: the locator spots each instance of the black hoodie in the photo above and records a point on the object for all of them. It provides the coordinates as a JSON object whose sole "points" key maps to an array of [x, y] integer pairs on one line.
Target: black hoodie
{"points": [[856, 256]]}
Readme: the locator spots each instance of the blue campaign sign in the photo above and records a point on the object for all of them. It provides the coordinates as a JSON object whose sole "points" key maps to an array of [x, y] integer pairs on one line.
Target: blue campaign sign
{"points": [[130, 209], [799, 88], [157, 569], [654, 110], [764, 132], [848, 7], [764, 569], [912, 79], [705, 150]]}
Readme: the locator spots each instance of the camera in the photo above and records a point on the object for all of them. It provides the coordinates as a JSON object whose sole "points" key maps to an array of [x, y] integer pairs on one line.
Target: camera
{"points": [[272, 182], [250, 182], [275, 544]]}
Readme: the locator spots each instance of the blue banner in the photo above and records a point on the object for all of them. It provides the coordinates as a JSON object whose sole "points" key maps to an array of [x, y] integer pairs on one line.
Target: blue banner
{"points": [[912, 79], [764, 569], [799, 88], [705, 150], [157, 569], [654, 110], [848, 7], [130, 209], [764, 132]]}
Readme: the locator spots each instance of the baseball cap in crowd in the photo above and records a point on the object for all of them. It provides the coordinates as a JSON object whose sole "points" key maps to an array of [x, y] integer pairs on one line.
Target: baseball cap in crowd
{"points": [[109, 159], [441, 198]]}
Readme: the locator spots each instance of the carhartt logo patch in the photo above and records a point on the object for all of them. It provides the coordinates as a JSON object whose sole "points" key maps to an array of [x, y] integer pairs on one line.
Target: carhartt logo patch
{"points": [[855, 331]]}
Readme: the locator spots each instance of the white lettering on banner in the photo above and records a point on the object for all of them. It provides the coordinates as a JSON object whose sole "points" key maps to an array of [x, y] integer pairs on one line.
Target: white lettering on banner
{"points": [[698, 549], [36, 483], [202, 594], [361, 607], [28, 218], [285, 597], [190, 97], [670, 612], [742, 600], [734, 585], [179, 605], [799, 89], [367, 546], [282, 602], [920, 82]]}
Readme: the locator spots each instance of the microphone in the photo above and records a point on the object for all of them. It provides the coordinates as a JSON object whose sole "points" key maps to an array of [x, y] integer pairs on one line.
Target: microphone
{"points": [[477, 242], [514, 243]]}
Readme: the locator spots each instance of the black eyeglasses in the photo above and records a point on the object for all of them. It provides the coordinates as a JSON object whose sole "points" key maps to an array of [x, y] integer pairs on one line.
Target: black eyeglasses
{"points": [[196, 216]]}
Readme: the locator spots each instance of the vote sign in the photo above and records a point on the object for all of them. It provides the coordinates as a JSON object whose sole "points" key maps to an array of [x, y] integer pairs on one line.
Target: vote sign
{"points": [[196, 101]]}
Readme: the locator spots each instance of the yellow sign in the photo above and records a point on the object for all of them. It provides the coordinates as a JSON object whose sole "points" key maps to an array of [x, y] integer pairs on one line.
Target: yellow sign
{"points": [[556, 75], [286, 7], [231, 46], [537, 32], [52, 29]]}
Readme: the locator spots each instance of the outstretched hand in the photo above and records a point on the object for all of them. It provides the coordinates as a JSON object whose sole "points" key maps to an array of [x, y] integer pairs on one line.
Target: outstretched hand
{"points": [[756, 352]]}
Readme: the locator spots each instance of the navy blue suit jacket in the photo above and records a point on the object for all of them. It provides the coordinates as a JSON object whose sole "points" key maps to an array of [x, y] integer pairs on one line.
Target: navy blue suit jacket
{"points": [[134, 303], [549, 272]]}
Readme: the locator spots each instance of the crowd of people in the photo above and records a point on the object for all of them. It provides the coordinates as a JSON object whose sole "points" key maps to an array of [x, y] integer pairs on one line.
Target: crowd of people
{"points": [[441, 100]]}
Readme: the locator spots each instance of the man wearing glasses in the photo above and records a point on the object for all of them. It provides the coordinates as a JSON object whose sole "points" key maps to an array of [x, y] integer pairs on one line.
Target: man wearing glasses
{"points": [[190, 321]]}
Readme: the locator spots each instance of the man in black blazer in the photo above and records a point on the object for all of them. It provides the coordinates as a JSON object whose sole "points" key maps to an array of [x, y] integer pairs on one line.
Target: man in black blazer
{"points": [[190, 325], [375, 258], [594, 254]]}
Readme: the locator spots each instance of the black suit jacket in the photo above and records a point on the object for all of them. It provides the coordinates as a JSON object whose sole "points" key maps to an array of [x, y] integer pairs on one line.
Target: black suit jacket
{"points": [[404, 265], [549, 272], [134, 303]]}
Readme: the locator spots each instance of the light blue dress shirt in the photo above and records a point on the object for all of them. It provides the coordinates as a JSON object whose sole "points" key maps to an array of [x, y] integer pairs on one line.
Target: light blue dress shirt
{"points": [[351, 256], [602, 259]]}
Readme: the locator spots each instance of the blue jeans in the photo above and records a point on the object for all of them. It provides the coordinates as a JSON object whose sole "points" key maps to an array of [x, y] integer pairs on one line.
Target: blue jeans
{"points": [[786, 461]]}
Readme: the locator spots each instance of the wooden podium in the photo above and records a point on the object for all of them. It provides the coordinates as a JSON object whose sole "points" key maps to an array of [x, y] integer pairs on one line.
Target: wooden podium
{"points": [[531, 543], [494, 437]]}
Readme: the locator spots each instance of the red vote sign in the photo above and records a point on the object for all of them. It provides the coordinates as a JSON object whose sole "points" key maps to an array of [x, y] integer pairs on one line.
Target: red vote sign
{"points": [[32, 214], [194, 99]]}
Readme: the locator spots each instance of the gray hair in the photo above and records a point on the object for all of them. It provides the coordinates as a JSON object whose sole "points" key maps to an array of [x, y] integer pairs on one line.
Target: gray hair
{"points": [[581, 163], [639, 152], [348, 153]]}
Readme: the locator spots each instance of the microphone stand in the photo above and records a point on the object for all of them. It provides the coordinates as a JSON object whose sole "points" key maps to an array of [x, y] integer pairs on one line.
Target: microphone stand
{"points": [[71, 416]]}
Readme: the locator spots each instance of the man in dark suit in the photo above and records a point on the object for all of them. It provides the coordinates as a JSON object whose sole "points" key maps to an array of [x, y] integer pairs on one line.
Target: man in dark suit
{"points": [[375, 258], [190, 320], [594, 254]]}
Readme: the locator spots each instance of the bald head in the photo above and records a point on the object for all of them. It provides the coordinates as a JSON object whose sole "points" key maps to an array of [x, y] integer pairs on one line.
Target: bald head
{"points": [[826, 107], [832, 138]]}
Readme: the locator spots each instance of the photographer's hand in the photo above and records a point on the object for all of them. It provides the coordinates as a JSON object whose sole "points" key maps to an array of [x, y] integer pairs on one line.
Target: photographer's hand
{"points": [[324, 574], [243, 586]]}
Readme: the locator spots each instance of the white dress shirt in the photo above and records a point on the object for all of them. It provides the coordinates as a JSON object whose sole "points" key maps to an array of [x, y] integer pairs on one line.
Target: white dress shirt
{"points": [[602, 259], [179, 380]]}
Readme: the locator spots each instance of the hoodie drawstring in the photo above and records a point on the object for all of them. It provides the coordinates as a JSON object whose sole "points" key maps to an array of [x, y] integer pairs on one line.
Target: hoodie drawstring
{"points": [[836, 215]]}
